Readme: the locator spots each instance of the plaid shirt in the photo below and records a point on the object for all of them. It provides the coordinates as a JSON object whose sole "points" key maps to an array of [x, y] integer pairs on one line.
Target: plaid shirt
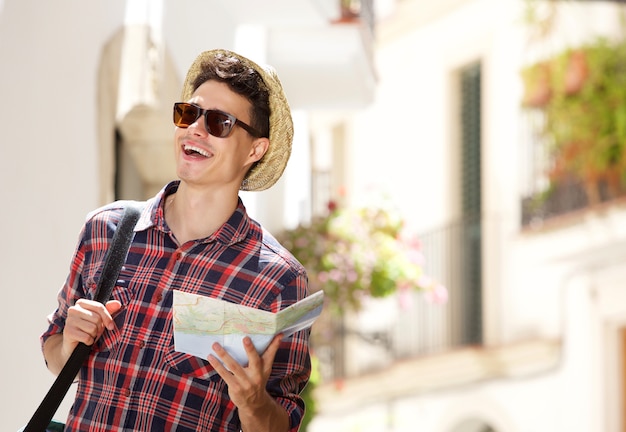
{"points": [[134, 380]]}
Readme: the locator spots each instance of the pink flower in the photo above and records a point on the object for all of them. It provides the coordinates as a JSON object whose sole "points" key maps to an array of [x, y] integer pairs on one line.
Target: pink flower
{"points": [[437, 295], [415, 257], [335, 275], [322, 277], [404, 297], [352, 276], [301, 242]]}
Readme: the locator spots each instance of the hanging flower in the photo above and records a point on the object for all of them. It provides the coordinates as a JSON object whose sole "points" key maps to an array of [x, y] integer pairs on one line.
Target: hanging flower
{"points": [[357, 253]]}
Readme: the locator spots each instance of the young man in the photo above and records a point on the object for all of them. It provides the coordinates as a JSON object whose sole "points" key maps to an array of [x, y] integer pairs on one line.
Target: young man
{"points": [[233, 132]]}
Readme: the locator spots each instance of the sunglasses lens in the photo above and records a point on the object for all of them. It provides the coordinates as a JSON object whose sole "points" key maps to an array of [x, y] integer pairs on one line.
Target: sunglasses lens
{"points": [[185, 114], [218, 124]]}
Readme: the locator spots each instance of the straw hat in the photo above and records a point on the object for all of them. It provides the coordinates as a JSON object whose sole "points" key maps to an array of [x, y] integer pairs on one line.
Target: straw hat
{"points": [[268, 170]]}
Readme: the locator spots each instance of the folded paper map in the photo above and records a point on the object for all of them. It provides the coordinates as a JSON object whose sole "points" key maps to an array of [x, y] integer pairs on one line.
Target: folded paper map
{"points": [[199, 321]]}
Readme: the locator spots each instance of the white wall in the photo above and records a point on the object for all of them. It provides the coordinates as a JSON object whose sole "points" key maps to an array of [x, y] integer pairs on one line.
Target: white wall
{"points": [[48, 172], [50, 53]]}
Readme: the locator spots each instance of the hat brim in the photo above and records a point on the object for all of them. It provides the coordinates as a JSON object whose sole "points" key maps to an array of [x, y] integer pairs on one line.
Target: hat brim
{"points": [[266, 172]]}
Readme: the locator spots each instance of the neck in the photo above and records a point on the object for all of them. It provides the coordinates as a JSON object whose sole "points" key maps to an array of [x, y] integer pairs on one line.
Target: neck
{"points": [[194, 214]]}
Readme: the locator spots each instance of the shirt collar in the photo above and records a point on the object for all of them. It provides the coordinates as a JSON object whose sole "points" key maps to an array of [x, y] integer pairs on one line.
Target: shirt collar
{"points": [[233, 231]]}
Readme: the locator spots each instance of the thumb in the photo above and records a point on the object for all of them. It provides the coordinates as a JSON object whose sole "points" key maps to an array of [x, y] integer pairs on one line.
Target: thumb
{"points": [[113, 306]]}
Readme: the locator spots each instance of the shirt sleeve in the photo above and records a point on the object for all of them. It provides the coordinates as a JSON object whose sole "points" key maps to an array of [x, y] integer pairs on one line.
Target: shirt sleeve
{"points": [[93, 242], [292, 364], [70, 292]]}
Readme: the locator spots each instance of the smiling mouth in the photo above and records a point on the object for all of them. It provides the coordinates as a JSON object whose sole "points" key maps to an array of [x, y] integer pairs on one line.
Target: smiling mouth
{"points": [[195, 151]]}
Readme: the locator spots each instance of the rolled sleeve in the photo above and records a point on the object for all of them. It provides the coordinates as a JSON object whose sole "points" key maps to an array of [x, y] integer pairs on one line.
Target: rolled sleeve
{"points": [[292, 364], [71, 291]]}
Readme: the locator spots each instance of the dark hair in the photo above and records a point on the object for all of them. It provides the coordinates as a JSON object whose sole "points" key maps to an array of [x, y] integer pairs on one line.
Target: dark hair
{"points": [[243, 80]]}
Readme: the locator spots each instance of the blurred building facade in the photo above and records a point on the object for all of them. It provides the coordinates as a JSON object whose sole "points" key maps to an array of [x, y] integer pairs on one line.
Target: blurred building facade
{"points": [[532, 335], [411, 101]]}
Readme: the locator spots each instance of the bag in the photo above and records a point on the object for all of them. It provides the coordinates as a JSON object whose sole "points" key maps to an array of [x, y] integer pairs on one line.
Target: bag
{"points": [[42, 421], [53, 426]]}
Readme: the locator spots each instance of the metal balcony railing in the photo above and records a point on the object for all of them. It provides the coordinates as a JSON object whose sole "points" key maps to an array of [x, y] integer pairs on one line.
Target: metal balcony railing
{"points": [[413, 324], [543, 198]]}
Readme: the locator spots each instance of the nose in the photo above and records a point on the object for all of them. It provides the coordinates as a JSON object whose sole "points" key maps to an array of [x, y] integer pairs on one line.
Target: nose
{"points": [[198, 127]]}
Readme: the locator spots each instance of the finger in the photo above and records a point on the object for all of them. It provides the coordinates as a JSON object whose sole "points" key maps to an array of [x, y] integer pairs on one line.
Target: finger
{"points": [[91, 329], [270, 352], [111, 307], [226, 359], [254, 359], [87, 311], [89, 305], [98, 313], [87, 317], [219, 367], [73, 334], [83, 319]]}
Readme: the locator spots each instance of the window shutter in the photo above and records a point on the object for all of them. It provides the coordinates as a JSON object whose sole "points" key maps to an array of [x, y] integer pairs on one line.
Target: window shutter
{"points": [[471, 205]]}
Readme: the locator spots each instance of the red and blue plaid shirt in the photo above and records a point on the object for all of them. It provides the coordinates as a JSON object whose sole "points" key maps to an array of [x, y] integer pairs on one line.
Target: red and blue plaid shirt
{"points": [[134, 380]]}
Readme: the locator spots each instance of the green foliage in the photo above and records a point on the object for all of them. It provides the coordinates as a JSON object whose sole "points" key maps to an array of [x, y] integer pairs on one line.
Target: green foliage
{"points": [[307, 394], [585, 111]]}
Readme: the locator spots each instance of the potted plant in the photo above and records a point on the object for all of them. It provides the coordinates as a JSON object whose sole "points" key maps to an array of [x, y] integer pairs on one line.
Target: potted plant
{"points": [[537, 86], [585, 117], [357, 253]]}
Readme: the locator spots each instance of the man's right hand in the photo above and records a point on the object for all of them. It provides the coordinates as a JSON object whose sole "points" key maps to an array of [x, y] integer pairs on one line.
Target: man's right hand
{"points": [[85, 322]]}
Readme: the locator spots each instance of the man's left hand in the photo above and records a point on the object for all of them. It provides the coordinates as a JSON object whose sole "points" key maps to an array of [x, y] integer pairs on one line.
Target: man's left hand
{"points": [[246, 385]]}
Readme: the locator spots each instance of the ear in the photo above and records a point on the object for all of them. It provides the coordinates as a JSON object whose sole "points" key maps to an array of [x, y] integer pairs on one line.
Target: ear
{"points": [[258, 149]]}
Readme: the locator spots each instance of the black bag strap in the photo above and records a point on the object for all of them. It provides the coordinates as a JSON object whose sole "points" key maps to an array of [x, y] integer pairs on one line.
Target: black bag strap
{"points": [[114, 259]]}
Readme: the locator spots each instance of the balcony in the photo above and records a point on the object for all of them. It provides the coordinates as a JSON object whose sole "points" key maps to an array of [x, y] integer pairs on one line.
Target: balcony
{"points": [[574, 157], [411, 325], [546, 201], [562, 199], [321, 48], [416, 343]]}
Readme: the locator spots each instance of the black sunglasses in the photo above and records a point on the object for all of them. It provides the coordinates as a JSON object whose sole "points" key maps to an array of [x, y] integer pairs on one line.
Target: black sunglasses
{"points": [[217, 123]]}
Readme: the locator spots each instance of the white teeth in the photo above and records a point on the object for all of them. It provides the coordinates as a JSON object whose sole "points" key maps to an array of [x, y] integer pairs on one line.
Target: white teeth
{"points": [[189, 149]]}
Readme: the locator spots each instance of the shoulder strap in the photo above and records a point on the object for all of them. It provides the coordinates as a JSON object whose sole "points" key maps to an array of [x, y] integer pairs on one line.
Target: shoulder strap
{"points": [[115, 257]]}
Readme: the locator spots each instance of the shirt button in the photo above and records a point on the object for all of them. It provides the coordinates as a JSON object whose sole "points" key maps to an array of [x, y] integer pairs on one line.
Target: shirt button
{"points": [[159, 297], [142, 344], [126, 392]]}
